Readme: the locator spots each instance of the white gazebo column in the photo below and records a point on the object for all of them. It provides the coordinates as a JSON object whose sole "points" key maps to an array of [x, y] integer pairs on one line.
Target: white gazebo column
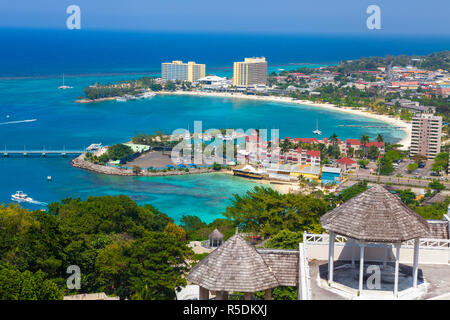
{"points": [[330, 257], [353, 252], [203, 293], [397, 265], [416, 262], [361, 267]]}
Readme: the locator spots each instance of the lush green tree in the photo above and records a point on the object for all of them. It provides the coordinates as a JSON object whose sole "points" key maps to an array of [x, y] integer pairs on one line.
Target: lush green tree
{"points": [[157, 263], [407, 196], [17, 285], [373, 152], [119, 151], [285, 239], [266, 212], [385, 166], [334, 139], [363, 163], [379, 138], [440, 162], [436, 185], [412, 167]]}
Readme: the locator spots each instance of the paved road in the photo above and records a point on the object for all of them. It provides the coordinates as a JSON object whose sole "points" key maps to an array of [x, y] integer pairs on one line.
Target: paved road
{"points": [[394, 180]]}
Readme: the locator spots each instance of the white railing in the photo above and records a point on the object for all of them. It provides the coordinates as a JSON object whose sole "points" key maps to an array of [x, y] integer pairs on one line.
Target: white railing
{"points": [[323, 239], [304, 273]]}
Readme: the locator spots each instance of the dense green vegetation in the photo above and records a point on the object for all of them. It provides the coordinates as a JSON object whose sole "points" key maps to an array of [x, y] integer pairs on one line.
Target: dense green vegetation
{"points": [[115, 152], [121, 248], [137, 252], [121, 88]]}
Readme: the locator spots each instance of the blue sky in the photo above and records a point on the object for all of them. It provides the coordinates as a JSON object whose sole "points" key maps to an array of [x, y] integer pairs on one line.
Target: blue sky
{"points": [[273, 16]]}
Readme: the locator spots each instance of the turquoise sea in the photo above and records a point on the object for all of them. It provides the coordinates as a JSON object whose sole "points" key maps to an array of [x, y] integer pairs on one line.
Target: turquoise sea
{"points": [[62, 123], [30, 72]]}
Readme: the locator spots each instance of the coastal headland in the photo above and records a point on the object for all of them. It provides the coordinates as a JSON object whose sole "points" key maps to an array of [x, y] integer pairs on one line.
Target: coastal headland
{"points": [[80, 162]]}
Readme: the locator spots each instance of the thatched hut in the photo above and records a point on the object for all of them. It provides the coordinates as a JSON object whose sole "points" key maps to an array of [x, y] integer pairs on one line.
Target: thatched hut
{"points": [[375, 216], [234, 266], [215, 239]]}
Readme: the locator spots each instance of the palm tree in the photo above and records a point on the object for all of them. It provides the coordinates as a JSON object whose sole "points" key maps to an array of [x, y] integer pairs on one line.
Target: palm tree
{"points": [[334, 139], [380, 138], [364, 142]]}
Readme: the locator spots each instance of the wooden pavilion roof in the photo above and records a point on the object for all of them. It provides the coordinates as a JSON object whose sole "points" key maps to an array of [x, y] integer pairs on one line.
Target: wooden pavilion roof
{"points": [[234, 266], [376, 215]]}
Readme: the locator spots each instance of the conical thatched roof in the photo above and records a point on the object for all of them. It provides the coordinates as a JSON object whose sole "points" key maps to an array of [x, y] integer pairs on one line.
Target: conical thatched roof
{"points": [[234, 266], [376, 215], [216, 235]]}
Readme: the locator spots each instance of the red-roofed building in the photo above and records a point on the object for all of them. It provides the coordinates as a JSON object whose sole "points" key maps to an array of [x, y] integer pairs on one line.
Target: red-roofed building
{"points": [[352, 143], [346, 164], [306, 140], [313, 157], [379, 145]]}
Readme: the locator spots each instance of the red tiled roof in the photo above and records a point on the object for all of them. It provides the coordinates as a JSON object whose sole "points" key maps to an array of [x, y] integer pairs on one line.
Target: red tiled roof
{"points": [[313, 153], [345, 160], [352, 141], [299, 150], [306, 140], [375, 144]]}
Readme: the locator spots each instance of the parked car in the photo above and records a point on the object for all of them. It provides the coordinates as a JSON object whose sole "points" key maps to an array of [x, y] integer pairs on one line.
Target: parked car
{"points": [[421, 165]]}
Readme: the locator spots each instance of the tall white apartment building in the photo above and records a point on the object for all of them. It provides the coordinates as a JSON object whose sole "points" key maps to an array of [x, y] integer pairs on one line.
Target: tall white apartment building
{"points": [[177, 70], [426, 135]]}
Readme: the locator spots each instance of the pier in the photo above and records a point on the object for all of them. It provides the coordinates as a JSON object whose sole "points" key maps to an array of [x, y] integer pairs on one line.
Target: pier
{"points": [[43, 152]]}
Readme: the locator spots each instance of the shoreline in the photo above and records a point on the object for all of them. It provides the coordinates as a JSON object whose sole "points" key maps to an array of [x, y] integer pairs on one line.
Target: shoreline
{"points": [[80, 163], [403, 125]]}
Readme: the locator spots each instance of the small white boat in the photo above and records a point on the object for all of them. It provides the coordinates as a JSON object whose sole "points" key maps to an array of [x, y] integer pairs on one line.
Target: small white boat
{"points": [[317, 131], [121, 99], [148, 94], [19, 196], [49, 178], [63, 87]]}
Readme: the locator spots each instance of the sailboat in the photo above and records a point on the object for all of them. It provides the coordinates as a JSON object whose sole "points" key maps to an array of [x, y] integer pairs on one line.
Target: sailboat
{"points": [[317, 131], [64, 86]]}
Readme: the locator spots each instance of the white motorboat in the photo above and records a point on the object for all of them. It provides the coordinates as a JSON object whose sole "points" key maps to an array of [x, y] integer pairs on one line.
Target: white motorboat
{"points": [[19, 196], [121, 99]]}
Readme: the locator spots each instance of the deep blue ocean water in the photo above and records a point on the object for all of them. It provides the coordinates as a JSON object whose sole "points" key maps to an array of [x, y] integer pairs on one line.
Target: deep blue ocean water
{"points": [[30, 72]]}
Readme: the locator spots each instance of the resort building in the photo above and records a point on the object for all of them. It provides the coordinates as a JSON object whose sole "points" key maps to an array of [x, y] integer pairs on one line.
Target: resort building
{"points": [[346, 164], [331, 175], [177, 70], [426, 135], [250, 72]]}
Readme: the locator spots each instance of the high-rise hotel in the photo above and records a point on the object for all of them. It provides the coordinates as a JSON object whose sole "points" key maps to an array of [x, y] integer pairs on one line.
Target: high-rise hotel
{"points": [[426, 135], [177, 70], [251, 71]]}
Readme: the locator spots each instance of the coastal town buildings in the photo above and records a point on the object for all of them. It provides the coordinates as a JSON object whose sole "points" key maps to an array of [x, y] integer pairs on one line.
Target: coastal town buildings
{"points": [[177, 70], [426, 135], [250, 72]]}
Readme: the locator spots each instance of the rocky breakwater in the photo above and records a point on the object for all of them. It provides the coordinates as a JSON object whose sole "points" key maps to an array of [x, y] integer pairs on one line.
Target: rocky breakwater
{"points": [[80, 162]]}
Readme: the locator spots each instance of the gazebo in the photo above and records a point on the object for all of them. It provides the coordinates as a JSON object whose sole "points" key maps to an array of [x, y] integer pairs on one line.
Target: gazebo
{"points": [[375, 216], [215, 238], [235, 266]]}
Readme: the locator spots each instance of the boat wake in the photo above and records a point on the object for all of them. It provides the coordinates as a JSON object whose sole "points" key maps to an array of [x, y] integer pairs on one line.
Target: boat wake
{"points": [[19, 121], [38, 202]]}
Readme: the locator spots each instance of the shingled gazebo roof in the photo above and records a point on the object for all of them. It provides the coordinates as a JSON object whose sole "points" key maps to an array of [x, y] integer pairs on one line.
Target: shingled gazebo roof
{"points": [[376, 215], [216, 235], [234, 266]]}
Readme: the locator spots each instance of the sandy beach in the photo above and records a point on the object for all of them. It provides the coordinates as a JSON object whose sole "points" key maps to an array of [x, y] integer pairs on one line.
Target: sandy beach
{"points": [[403, 125]]}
